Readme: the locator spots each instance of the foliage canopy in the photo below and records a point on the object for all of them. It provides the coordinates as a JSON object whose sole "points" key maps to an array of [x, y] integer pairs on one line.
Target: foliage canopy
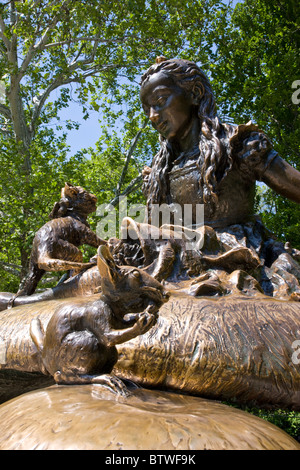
{"points": [[255, 70]]}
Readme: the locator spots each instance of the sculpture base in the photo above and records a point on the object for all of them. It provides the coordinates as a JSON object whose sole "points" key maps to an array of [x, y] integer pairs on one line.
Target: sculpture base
{"points": [[89, 417]]}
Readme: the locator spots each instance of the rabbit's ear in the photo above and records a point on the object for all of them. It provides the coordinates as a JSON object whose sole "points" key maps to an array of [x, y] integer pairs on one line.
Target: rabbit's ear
{"points": [[109, 271]]}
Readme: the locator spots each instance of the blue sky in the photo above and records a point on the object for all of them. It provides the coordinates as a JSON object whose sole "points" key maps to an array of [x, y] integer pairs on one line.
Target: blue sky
{"points": [[89, 131]]}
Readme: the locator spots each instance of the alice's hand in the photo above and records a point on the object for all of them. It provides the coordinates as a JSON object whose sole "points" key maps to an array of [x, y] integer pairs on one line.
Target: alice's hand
{"points": [[146, 320]]}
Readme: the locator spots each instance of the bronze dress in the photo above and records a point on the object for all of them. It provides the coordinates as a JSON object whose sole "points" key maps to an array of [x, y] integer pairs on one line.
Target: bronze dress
{"points": [[237, 253]]}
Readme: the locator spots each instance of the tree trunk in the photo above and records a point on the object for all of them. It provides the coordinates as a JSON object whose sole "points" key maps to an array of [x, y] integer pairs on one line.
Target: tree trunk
{"points": [[23, 139]]}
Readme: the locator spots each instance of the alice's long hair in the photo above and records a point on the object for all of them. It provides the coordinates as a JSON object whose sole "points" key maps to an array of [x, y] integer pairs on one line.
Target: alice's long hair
{"points": [[215, 160]]}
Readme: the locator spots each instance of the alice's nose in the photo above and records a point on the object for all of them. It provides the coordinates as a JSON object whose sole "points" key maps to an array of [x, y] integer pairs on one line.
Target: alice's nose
{"points": [[153, 115]]}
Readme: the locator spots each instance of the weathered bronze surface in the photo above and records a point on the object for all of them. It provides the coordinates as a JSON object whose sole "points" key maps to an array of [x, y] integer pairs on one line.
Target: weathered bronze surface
{"points": [[88, 418], [233, 349], [86, 283]]}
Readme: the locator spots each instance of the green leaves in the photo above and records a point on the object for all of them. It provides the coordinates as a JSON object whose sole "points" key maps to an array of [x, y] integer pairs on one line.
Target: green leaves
{"points": [[255, 66]]}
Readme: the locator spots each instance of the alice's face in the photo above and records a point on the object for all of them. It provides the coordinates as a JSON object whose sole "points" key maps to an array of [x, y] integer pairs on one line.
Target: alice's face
{"points": [[168, 106]]}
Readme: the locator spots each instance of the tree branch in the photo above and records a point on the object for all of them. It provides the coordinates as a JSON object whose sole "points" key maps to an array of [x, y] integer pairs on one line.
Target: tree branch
{"points": [[128, 157], [13, 269], [135, 184], [77, 39], [26, 61], [40, 101], [5, 111], [52, 24], [42, 43], [12, 55], [2, 34], [86, 38], [63, 79]]}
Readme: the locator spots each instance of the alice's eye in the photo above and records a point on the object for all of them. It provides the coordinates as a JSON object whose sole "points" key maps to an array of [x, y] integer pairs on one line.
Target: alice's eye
{"points": [[161, 101], [134, 274]]}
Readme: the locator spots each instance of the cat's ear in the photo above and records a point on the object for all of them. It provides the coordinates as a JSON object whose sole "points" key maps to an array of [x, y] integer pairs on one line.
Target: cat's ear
{"points": [[109, 271], [69, 191]]}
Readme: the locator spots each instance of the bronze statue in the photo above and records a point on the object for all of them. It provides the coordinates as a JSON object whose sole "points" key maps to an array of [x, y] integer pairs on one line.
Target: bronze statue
{"points": [[233, 312], [202, 160], [223, 348], [55, 245]]}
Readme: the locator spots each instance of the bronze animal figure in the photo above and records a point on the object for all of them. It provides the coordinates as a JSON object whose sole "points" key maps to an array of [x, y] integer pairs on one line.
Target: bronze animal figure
{"points": [[55, 245], [79, 344]]}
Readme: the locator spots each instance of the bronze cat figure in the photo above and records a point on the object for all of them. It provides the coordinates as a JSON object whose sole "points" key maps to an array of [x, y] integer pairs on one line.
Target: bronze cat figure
{"points": [[55, 245]]}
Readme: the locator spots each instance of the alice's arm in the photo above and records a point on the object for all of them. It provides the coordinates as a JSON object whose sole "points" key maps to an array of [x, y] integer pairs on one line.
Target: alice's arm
{"points": [[283, 178]]}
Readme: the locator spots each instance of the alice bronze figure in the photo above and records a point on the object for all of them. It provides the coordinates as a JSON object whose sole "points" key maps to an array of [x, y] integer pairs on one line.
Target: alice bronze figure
{"points": [[204, 161]]}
